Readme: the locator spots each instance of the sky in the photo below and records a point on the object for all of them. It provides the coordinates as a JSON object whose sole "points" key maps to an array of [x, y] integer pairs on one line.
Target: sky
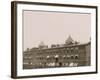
{"points": [[54, 27]]}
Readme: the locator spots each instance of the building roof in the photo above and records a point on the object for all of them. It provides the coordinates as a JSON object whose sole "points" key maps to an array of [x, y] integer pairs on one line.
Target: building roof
{"points": [[68, 43], [36, 49], [69, 39], [41, 43]]}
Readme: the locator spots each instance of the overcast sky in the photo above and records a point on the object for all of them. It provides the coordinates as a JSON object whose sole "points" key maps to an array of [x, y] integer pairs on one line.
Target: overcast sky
{"points": [[54, 27]]}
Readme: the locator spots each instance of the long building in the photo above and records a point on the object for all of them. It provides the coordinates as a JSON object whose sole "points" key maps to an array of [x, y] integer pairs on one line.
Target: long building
{"points": [[70, 54]]}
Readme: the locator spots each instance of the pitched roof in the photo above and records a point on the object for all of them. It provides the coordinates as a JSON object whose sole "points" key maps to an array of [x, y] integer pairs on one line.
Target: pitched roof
{"points": [[69, 39]]}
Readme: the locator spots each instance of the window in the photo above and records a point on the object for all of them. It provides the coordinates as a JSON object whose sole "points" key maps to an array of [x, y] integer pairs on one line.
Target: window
{"points": [[68, 56], [25, 63], [64, 57], [72, 48], [48, 57], [72, 57], [76, 56]]}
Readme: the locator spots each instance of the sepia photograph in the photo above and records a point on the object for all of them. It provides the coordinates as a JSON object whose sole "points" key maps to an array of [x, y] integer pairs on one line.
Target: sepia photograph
{"points": [[50, 39], [56, 39]]}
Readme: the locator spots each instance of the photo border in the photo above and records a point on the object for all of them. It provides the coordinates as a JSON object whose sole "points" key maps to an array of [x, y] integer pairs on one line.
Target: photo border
{"points": [[14, 37]]}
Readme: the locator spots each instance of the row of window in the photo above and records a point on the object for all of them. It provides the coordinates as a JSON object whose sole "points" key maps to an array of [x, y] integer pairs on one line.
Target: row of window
{"points": [[60, 52], [52, 64], [63, 49], [59, 57], [27, 57]]}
